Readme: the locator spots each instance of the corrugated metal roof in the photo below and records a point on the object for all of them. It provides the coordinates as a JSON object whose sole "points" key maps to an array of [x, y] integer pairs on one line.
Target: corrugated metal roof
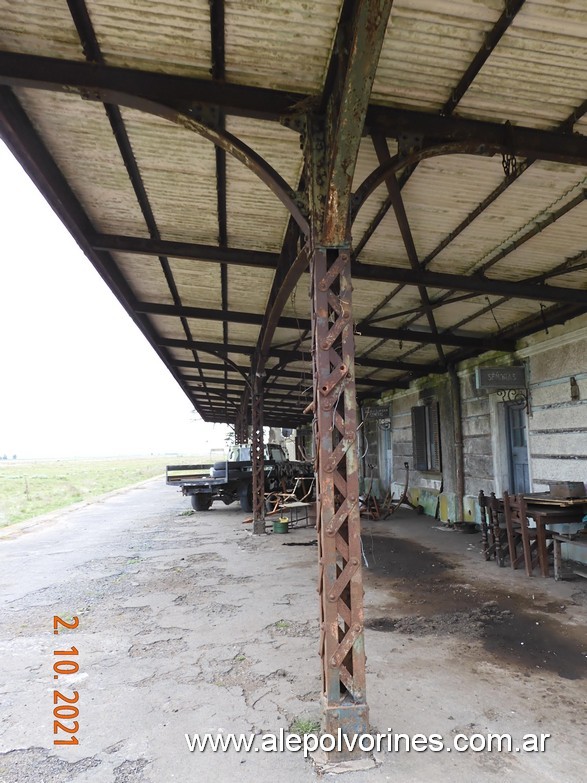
{"points": [[176, 182], [428, 46], [146, 277], [40, 27], [248, 289], [85, 150], [523, 80], [250, 203], [543, 187], [155, 35], [198, 282], [276, 43], [536, 75]]}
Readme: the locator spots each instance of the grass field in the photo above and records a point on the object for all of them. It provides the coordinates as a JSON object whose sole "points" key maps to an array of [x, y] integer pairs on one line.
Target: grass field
{"points": [[30, 488]]}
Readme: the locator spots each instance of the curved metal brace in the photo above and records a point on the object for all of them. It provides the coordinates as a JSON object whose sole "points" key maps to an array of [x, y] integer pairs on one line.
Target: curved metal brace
{"points": [[221, 138], [223, 397], [229, 362], [275, 308], [378, 176]]}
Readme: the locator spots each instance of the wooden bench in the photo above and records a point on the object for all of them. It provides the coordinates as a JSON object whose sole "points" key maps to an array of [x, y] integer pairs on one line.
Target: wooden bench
{"points": [[576, 539]]}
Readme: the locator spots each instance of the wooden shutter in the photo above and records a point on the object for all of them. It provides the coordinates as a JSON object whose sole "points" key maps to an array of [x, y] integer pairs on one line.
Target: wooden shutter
{"points": [[435, 460], [419, 438]]}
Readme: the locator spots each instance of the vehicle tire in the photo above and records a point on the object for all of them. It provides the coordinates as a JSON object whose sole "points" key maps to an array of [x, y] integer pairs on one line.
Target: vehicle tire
{"points": [[246, 497], [201, 501]]}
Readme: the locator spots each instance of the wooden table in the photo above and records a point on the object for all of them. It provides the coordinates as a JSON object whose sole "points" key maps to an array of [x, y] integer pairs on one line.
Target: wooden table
{"points": [[548, 511], [546, 499]]}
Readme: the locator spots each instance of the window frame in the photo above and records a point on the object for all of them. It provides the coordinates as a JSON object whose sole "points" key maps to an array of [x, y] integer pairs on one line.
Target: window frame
{"points": [[426, 437]]}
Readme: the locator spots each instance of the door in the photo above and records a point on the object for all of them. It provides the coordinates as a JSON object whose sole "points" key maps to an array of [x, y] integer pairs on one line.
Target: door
{"points": [[385, 457], [517, 427], [370, 453]]}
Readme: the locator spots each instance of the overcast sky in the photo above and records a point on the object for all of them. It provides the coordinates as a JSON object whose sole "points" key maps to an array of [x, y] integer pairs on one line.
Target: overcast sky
{"points": [[77, 378]]}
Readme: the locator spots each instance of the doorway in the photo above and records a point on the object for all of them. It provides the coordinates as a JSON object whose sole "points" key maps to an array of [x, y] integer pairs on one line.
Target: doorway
{"points": [[517, 431]]}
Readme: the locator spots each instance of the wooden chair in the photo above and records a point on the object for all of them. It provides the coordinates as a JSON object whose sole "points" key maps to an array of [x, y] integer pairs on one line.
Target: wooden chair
{"points": [[494, 535], [534, 549]]}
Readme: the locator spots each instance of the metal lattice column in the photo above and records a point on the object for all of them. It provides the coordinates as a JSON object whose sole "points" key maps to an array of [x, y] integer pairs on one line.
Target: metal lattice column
{"points": [[338, 518], [240, 429], [257, 449]]}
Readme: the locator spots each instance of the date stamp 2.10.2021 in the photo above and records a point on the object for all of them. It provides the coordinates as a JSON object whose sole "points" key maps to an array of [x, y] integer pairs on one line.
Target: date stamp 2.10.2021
{"points": [[65, 710]]}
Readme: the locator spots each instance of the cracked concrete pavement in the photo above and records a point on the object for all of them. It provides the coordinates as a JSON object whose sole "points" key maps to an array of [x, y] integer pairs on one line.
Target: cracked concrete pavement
{"points": [[188, 624]]}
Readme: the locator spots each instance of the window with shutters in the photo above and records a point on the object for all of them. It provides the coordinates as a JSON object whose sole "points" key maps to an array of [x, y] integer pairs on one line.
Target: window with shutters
{"points": [[426, 437]]}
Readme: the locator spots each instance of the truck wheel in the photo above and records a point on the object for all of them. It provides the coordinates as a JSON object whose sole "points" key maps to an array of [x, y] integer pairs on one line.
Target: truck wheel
{"points": [[246, 498], [201, 501]]}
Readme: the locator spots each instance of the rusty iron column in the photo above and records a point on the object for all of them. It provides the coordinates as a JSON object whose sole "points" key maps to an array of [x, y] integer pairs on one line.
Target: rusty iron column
{"points": [[332, 138], [338, 520], [240, 429], [257, 455]]}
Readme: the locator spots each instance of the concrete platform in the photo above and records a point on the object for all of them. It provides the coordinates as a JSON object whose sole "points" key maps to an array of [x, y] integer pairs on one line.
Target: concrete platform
{"points": [[189, 624]]}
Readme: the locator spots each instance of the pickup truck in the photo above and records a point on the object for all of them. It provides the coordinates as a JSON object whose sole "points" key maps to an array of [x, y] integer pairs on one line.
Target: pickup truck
{"points": [[232, 479]]}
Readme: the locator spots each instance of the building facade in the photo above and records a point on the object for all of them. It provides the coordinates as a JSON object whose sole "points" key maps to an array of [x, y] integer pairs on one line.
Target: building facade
{"points": [[467, 430]]}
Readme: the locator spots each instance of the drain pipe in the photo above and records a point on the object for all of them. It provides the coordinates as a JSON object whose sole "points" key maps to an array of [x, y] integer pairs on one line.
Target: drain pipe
{"points": [[457, 417]]}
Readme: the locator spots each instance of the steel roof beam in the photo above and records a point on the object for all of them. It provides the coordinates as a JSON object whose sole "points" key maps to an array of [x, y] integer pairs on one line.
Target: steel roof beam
{"points": [[240, 383], [217, 34], [565, 126], [293, 387], [290, 268], [92, 79], [170, 248], [520, 140], [236, 394], [242, 371], [385, 333], [25, 70], [416, 336], [475, 283]]}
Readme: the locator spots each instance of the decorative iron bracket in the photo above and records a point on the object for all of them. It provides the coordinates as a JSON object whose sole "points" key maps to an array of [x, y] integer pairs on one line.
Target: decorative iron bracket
{"points": [[520, 397]]}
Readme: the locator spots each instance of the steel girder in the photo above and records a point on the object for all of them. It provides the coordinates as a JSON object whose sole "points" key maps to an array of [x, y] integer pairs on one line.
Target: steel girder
{"points": [[204, 98]]}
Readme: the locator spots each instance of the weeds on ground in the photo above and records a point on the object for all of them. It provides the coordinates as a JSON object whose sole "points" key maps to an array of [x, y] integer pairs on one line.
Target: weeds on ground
{"points": [[303, 726]]}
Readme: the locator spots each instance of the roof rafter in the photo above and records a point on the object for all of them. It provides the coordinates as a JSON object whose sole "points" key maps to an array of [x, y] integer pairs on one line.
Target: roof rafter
{"points": [[92, 80], [490, 41], [195, 251], [217, 34], [393, 189], [288, 322], [475, 283]]}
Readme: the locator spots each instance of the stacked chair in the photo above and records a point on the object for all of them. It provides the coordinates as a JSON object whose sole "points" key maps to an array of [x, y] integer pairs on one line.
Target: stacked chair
{"points": [[494, 535], [506, 534]]}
